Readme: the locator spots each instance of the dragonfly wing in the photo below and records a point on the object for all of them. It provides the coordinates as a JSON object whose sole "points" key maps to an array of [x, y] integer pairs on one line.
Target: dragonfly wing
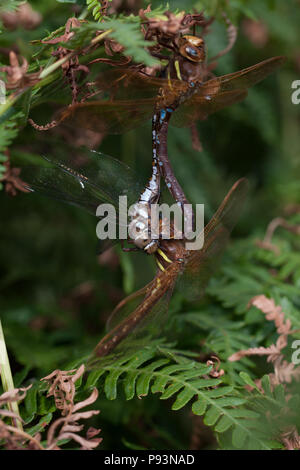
{"points": [[140, 315], [122, 83], [104, 178], [199, 108], [201, 264], [65, 187], [107, 117], [126, 306], [58, 185], [122, 100]]}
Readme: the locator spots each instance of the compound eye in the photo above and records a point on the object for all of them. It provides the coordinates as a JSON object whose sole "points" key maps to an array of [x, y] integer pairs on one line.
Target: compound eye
{"points": [[191, 51]]}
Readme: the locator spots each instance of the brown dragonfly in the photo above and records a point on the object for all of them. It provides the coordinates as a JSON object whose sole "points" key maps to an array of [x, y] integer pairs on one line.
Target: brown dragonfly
{"points": [[192, 268], [121, 99], [97, 178]]}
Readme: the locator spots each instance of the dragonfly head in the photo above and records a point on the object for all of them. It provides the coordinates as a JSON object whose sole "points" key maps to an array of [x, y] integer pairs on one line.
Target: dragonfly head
{"points": [[192, 48]]}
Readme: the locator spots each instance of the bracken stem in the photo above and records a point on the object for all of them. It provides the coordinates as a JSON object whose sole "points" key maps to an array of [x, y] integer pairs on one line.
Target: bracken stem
{"points": [[7, 380]]}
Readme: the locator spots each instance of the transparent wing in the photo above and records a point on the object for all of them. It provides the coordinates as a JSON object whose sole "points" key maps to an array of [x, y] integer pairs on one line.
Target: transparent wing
{"points": [[217, 93], [125, 98], [242, 79], [143, 313], [55, 183], [83, 177], [107, 117], [199, 108]]}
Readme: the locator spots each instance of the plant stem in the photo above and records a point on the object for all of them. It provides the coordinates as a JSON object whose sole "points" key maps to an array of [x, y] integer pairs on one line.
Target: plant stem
{"points": [[7, 380], [9, 102], [59, 62], [101, 36]]}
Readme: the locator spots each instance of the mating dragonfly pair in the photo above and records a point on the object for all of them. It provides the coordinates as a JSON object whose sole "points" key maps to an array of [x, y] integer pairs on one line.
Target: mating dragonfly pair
{"points": [[101, 179], [183, 97]]}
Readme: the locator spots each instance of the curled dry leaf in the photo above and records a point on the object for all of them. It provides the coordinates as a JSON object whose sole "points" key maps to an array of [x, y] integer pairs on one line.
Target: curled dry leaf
{"points": [[284, 371], [68, 427], [266, 243], [16, 74], [17, 394], [12, 181], [13, 437], [62, 387], [272, 312], [68, 34], [215, 362], [272, 352], [232, 32], [291, 438], [170, 24], [268, 246]]}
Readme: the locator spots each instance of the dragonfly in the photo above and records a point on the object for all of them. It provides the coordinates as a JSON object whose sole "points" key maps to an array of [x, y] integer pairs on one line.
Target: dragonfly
{"points": [[121, 99], [192, 269], [89, 179], [98, 178]]}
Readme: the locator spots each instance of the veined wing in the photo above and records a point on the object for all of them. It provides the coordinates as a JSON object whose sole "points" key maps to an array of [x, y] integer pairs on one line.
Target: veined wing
{"points": [[121, 101], [83, 177], [125, 83], [144, 320], [199, 108], [242, 79], [57, 184], [107, 117], [201, 264], [198, 267]]}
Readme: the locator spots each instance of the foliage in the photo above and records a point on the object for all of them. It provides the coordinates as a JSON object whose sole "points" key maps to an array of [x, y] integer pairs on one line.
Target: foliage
{"points": [[56, 294], [97, 8], [9, 5]]}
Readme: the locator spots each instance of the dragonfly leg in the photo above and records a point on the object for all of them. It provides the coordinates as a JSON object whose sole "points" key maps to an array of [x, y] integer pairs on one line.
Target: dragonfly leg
{"points": [[128, 249]]}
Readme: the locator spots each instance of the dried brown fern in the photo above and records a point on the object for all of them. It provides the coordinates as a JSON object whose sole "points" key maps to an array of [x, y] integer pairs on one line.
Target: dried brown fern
{"points": [[284, 371], [62, 388]]}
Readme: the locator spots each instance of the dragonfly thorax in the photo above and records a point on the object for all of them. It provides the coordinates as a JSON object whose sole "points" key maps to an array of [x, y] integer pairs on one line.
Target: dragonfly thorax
{"points": [[140, 229], [149, 231], [192, 48]]}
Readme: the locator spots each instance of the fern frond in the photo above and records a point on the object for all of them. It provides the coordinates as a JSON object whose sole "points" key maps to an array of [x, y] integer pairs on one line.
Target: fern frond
{"points": [[125, 30], [224, 338], [96, 7], [255, 271], [143, 372], [10, 5], [128, 33], [277, 410]]}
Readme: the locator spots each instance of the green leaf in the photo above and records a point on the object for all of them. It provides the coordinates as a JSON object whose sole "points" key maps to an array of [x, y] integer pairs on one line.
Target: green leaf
{"points": [[247, 379], [40, 426], [31, 403]]}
